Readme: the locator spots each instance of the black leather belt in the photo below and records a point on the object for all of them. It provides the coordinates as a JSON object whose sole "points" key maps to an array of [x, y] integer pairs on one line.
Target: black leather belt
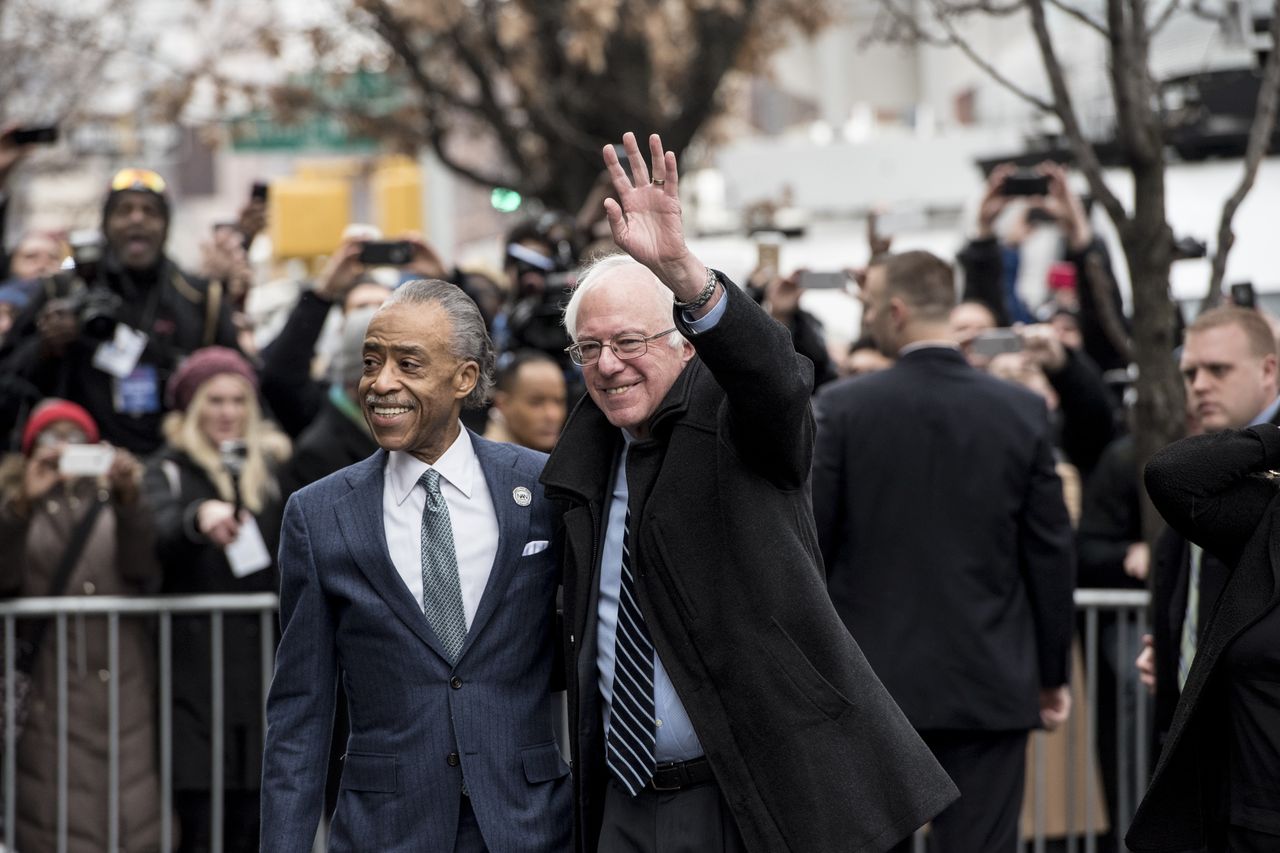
{"points": [[677, 775]]}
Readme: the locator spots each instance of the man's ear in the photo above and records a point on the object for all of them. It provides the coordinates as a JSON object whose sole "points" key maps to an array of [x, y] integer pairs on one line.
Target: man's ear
{"points": [[899, 310], [465, 379]]}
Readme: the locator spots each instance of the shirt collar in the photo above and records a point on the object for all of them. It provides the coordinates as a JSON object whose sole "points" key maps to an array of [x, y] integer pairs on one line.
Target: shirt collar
{"points": [[1266, 415], [457, 465], [918, 345]]}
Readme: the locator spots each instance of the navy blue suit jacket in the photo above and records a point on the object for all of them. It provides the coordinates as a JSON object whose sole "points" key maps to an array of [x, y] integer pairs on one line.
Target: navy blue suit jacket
{"points": [[418, 725]]}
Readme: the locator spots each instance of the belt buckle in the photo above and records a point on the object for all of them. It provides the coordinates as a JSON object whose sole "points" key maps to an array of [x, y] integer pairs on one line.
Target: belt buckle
{"points": [[672, 767]]}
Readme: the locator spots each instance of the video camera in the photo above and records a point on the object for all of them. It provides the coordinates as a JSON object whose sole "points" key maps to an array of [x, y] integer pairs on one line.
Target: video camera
{"points": [[96, 307], [542, 284]]}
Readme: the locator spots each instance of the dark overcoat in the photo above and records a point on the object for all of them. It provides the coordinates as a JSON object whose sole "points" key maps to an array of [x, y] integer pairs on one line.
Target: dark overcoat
{"points": [[808, 749], [1211, 490], [193, 565]]}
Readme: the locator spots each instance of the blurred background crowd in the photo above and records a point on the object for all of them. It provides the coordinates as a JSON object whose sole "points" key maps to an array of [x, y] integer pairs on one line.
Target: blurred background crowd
{"points": [[180, 346]]}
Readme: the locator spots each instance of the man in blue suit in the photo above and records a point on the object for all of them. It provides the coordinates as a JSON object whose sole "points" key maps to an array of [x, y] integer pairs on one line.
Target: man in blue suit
{"points": [[424, 578]]}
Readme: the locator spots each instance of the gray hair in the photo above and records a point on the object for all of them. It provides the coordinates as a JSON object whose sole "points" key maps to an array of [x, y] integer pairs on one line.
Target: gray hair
{"points": [[470, 337], [596, 273]]}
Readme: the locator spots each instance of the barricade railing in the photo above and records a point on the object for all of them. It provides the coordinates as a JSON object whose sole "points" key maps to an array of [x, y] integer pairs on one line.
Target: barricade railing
{"points": [[1091, 810], [1111, 623], [114, 608]]}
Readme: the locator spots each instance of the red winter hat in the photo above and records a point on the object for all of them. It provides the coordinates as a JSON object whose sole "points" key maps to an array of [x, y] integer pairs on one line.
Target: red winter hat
{"points": [[50, 412], [1062, 276], [201, 366]]}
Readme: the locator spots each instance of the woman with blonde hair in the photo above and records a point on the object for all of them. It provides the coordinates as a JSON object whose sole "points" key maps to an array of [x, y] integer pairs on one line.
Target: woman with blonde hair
{"points": [[214, 484]]}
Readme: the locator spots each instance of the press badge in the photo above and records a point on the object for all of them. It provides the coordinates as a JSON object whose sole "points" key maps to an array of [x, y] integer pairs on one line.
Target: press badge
{"points": [[138, 393], [119, 356]]}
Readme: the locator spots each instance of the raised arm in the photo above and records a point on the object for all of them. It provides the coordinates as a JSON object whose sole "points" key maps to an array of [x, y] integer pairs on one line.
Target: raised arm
{"points": [[766, 383], [1211, 488]]}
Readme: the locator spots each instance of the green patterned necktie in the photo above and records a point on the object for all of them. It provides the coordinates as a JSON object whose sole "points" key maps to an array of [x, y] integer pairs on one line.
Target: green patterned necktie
{"points": [[441, 589]]}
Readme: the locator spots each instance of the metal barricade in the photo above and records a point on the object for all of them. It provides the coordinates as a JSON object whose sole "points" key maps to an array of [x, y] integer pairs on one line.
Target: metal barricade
{"points": [[1112, 622], [113, 608]]}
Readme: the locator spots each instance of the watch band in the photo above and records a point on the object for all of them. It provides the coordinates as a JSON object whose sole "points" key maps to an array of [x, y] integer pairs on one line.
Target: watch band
{"points": [[704, 296]]}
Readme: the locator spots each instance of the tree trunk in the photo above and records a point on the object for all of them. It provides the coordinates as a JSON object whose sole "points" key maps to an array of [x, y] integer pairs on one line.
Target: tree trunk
{"points": [[1160, 411]]}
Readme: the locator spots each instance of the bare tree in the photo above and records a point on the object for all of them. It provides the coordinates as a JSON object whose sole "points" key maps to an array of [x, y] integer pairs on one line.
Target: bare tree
{"points": [[54, 53], [1127, 28], [524, 93]]}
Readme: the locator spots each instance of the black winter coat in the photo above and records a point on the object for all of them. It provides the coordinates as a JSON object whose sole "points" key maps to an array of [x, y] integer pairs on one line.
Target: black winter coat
{"points": [[808, 749], [1211, 489], [193, 565]]}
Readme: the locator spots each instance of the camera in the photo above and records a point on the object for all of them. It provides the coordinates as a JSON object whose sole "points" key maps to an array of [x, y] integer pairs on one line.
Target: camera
{"points": [[995, 342], [1023, 183], [395, 253], [95, 306], [1189, 248], [1242, 295], [97, 311], [534, 320]]}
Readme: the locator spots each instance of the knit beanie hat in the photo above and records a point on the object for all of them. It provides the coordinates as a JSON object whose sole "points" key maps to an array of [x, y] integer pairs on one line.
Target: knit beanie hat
{"points": [[201, 366], [49, 412], [135, 180]]}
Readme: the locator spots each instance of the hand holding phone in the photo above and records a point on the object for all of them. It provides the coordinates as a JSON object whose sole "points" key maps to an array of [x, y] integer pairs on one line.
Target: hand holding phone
{"points": [[34, 135], [1242, 295], [85, 460], [995, 342], [811, 280], [383, 253], [1025, 183]]}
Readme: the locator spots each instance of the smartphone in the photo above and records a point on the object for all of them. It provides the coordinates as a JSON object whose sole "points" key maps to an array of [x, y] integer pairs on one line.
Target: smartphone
{"points": [[259, 191], [1242, 295], [767, 256], [46, 135], [995, 342], [85, 460], [1025, 183], [810, 280], [379, 253]]}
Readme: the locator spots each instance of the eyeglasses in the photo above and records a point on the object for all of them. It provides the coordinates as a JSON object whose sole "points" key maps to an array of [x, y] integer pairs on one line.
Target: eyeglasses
{"points": [[630, 345], [138, 179]]}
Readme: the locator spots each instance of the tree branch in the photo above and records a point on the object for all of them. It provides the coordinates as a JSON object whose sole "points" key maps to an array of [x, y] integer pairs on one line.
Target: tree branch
{"points": [[395, 33], [954, 39], [1264, 122], [1064, 108], [1159, 23], [1080, 15]]}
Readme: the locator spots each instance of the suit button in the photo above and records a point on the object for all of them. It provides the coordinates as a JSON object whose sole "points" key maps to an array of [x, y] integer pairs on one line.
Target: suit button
{"points": [[455, 683], [452, 759]]}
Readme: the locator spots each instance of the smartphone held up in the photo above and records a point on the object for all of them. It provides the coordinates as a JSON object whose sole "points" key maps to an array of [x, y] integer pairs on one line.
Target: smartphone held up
{"points": [[995, 342]]}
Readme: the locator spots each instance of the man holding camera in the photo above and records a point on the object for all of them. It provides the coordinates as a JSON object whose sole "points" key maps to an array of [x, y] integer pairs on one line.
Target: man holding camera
{"points": [[108, 335], [948, 548]]}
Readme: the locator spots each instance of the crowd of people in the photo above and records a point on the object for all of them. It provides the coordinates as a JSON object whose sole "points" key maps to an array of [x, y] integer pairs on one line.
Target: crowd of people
{"points": [[928, 498]]}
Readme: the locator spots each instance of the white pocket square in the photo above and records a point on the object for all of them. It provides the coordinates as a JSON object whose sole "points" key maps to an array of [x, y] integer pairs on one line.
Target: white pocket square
{"points": [[534, 547]]}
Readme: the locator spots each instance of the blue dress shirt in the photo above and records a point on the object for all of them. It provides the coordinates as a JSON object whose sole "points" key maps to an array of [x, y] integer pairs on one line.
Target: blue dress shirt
{"points": [[676, 739]]}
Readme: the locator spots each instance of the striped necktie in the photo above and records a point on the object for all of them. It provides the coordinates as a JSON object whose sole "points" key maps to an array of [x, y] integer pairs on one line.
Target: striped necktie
{"points": [[629, 746], [441, 588], [1191, 621]]}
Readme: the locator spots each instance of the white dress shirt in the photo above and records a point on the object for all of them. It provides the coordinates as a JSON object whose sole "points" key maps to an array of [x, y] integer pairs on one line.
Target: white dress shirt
{"points": [[471, 514]]}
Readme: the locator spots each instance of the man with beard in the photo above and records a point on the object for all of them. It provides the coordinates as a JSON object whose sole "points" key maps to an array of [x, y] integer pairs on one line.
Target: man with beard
{"points": [[108, 336]]}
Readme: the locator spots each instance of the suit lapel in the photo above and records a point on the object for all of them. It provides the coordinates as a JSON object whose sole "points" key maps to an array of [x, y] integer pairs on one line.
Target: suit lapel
{"points": [[359, 515], [497, 461], [1249, 594]]}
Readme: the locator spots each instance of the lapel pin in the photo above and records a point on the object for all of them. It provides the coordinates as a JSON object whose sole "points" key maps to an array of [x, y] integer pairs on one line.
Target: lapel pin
{"points": [[522, 496]]}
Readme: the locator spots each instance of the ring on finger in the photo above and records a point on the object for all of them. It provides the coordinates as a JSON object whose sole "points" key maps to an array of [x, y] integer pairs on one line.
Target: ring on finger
{"points": [[657, 182]]}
